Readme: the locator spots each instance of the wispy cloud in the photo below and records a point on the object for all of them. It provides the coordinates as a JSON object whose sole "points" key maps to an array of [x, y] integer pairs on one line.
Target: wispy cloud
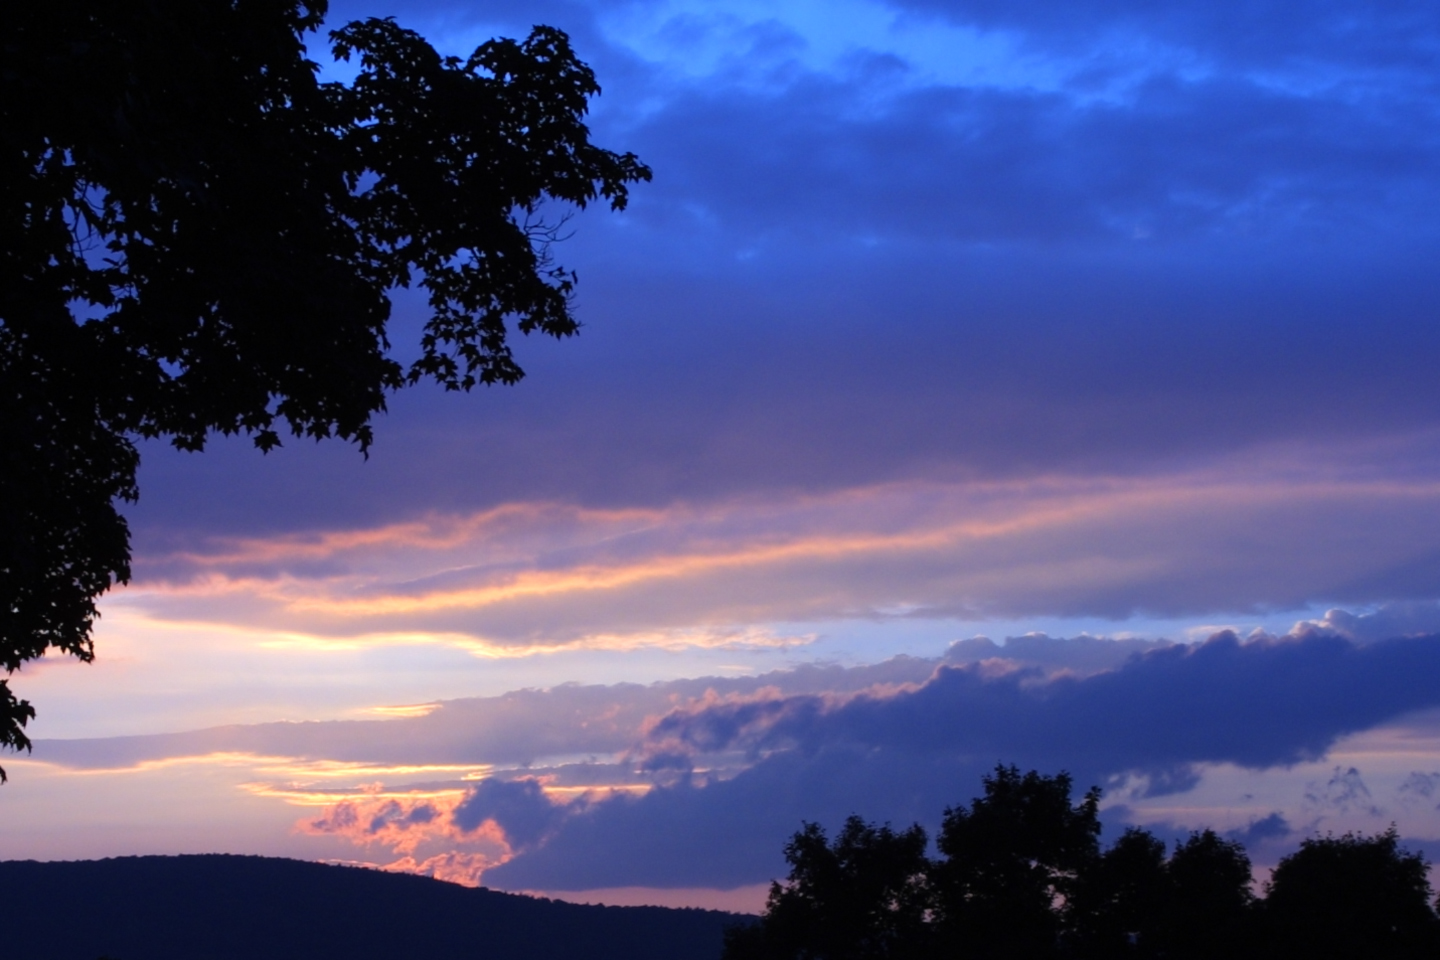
{"points": [[544, 577]]}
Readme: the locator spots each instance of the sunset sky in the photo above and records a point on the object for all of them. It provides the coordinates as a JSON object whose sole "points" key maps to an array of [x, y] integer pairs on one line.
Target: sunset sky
{"points": [[1105, 330]]}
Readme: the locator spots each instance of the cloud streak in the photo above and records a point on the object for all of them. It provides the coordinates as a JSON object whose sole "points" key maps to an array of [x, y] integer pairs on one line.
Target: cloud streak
{"points": [[545, 576]]}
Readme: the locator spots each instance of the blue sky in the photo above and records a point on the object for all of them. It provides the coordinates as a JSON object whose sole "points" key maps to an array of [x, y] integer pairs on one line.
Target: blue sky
{"points": [[1098, 319]]}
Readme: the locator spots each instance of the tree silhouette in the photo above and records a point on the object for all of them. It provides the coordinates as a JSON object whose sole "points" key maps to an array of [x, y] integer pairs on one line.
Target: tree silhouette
{"points": [[1118, 899], [1209, 905], [1010, 867], [1021, 875], [198, 235], [1351, 896], [861, 897], [1133, 902]]}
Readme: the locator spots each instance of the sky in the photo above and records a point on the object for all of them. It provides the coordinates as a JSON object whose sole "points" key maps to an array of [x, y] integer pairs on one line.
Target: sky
{"points": [[1047, 383]]}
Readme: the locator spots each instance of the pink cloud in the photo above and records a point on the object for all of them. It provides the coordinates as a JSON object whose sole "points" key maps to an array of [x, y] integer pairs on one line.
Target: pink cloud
{"points": [[452, 835]]}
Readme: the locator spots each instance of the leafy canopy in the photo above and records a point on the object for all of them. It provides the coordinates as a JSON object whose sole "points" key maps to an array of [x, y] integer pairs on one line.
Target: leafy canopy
{"points": [[198, 235], [1021, 875]]}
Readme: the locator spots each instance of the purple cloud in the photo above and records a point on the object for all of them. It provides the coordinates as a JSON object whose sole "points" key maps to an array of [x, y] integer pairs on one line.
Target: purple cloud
{"points": [[906, 755], [520, 807]]}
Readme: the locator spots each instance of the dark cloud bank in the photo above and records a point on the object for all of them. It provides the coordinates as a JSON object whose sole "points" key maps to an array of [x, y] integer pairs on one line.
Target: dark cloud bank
{"points": [[906, 756]]}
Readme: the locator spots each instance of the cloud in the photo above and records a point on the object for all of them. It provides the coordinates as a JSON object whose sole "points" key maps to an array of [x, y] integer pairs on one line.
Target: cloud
{"points": [[1287, 36], [534, 578], [1420, 788], [1080, 655], [452, 866], [1416, 618], [398, 824], [1096, 122], [519, 807], [1268, 829], [1261, 703], [454, 834], [697, 783], [907, 754], [419, 832], [1345, 792], [468, 737], [965, 165], [1124, 703]]}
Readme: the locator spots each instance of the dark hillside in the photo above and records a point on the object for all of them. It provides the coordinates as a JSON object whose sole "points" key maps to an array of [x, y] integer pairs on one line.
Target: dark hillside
{"points": [[219, 907]]}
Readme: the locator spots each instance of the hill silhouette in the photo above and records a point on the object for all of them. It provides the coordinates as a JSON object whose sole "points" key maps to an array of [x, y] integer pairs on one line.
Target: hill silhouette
{"points": [[224, 907]]}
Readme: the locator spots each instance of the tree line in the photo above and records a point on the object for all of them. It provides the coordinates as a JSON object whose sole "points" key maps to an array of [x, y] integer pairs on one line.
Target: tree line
{"points": [[1021, 875]]}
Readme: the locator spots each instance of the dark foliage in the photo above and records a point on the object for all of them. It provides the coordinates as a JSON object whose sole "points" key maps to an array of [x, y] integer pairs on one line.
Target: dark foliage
{"points": [[1021, 875], [1119, 899], [1133, 901], [861, 897], [1208, 907], [245, 908], [1351, 896], [197, 235], [1008, 860]]}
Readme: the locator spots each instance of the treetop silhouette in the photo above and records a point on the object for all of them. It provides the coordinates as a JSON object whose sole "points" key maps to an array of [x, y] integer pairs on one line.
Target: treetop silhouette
{"points": [[1351, 896], [1021, 875]]}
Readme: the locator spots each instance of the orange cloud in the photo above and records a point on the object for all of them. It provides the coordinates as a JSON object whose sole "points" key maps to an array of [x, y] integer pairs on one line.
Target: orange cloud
{"points": [[404, 711], [435, 834], [400, 824], [408, 825], [542, 577], [434, 534]]}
